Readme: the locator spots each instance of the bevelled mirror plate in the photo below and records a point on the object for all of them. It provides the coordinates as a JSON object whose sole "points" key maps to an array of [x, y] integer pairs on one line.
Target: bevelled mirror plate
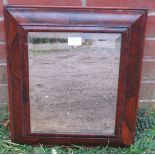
{"points": [[73, 80]]}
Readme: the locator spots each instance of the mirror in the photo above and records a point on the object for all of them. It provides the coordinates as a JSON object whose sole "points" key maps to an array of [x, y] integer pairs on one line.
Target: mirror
{"points": [[73, 81]]}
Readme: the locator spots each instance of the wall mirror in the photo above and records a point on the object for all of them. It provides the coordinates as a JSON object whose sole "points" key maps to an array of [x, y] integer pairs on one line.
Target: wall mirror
{"points": [[74, 74]]}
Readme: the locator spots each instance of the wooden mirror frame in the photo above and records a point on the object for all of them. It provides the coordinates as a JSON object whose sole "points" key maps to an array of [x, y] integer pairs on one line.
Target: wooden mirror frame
{"points": [[131, 23]]}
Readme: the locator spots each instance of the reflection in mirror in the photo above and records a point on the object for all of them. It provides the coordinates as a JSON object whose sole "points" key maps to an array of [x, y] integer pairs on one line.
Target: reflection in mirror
{"points": [[73, 81]]}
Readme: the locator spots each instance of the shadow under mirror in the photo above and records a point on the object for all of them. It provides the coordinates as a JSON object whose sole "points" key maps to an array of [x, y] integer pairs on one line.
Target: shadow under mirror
{"points": [[73, 82]]}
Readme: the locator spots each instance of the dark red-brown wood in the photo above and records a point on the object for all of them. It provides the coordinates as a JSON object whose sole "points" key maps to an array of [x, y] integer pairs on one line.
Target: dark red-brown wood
{"points": [[19, 20]]}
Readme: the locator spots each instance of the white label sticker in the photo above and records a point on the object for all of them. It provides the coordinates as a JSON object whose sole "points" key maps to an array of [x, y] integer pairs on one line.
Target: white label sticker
{"points": [[75, 41]]}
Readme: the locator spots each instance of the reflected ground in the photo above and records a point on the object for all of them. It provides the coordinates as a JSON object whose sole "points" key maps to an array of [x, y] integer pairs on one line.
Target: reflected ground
{"points": [[73, 88]]}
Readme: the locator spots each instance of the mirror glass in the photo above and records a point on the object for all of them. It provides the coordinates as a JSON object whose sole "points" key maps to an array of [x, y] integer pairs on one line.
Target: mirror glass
{"points": [[73, 82]]}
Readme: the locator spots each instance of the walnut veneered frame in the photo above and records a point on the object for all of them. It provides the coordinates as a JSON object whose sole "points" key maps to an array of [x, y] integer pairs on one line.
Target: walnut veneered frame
{"points": [[131, 23]]}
